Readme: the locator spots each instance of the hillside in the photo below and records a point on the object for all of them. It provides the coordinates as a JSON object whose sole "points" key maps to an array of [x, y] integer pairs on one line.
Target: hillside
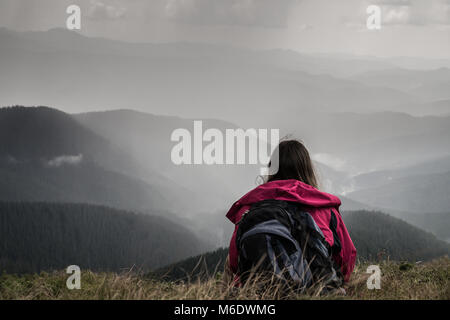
{"points": [[375, 235], [437, 223], [42, 134], [378, 235], [43, 236], [80, 183], [399, 281], [201, 266]]}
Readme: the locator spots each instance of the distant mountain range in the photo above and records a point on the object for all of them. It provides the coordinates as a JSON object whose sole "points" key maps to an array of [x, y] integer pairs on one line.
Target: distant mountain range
{"points": [[367, 142], [425, 84], [419, 193], [77, 73], [379, 178]]}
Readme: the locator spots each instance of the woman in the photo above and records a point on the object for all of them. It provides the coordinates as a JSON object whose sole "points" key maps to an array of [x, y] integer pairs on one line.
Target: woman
{"points": [[296, 181]]}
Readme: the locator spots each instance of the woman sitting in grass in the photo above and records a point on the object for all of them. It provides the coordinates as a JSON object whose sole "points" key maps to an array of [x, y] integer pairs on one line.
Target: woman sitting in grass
{"points": [[293, 186]]}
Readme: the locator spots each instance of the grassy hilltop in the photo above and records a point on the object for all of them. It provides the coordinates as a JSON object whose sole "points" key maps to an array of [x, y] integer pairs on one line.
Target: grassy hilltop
{"points": [[428, 280]]}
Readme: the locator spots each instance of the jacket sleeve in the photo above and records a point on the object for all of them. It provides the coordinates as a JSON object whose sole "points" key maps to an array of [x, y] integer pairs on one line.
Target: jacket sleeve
{"points": [[347, 256], [233, 251]]}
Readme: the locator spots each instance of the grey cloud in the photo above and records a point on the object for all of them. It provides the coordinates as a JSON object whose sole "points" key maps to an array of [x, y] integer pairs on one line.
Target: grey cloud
{"points": [[65, 160], [101, 11], [415, 12], [264, 13], [393, 2]]}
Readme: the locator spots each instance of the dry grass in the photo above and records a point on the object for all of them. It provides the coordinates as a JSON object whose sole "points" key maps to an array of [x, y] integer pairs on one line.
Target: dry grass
{"points": [[399, 281]]}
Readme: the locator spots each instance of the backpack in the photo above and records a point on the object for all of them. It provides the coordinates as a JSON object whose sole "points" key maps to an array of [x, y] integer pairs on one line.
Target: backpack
{"points": [[279, 240]]}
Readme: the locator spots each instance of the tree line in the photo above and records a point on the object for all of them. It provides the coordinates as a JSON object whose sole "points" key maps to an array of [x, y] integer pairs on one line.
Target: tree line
{"points": [[50, 236]]}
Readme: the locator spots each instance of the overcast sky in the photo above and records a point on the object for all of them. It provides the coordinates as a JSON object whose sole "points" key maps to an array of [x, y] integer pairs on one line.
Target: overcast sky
{"points": [[409, 27]]}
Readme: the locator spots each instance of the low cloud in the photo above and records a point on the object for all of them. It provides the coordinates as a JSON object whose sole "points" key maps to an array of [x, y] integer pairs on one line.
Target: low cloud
{"points": [[100, 11], [393, 2], [414, 12], [330, 160], [65, 160], [397, 15], [262, 13]]}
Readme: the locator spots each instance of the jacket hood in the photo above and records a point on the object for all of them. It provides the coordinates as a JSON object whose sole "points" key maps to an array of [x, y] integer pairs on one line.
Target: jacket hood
{"points": [[287, 190]]}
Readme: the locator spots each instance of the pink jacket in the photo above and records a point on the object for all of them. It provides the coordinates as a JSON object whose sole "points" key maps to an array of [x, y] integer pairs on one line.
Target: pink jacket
{"points": [[318, 204]]}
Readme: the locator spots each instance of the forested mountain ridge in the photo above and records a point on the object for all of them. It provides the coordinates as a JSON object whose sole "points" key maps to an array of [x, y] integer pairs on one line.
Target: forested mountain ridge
{"points": [[42, 133], [81, 183], [50, 236], [378, 235]]}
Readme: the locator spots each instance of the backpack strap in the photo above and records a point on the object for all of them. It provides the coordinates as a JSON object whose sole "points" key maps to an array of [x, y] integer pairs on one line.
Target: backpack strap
{"points": [[337, 247]]}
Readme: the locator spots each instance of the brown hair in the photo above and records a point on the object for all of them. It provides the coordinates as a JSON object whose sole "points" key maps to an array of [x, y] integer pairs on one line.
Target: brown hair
{"points": [[294, 163]]}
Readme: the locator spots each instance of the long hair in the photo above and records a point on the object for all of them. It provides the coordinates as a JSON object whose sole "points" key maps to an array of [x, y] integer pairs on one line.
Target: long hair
{"points": [[294, 163]]}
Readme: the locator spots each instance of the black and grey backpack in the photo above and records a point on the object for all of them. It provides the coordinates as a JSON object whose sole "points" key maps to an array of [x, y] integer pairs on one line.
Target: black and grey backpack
{"points": [[279, 239]]}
